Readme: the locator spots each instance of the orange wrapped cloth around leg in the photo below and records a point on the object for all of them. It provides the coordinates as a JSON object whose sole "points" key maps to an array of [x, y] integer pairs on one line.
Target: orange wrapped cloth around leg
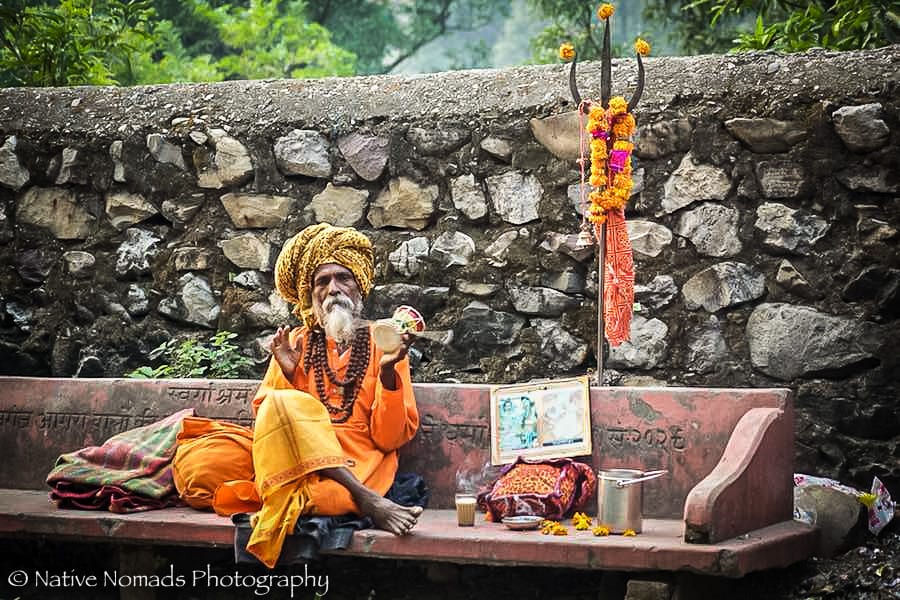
{"points": [[210, 453], [293, 438]]}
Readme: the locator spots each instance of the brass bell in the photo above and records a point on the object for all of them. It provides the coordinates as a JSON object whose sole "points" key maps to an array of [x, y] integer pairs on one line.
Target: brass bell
{"points": [[585, 239]]}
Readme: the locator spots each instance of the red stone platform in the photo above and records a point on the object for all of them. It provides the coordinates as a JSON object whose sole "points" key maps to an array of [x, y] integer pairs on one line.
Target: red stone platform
{"points": [[660, 547], [724, 508]]}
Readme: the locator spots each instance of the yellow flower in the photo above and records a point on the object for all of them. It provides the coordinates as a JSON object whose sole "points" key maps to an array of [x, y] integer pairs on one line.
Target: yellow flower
{"points": [[581, 521], [596, 114], [605, 11], [567, 51], [642, 47], [629, 533], [867, 499], [618, 105], [600, 530], [553, 528]]}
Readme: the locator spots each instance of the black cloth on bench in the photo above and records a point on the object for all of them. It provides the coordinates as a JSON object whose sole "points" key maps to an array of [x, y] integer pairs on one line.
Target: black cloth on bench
{"points": [[313, 535]]}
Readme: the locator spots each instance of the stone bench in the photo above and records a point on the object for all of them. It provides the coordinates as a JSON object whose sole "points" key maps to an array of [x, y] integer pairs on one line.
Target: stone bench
{"points": [[724, 509]]}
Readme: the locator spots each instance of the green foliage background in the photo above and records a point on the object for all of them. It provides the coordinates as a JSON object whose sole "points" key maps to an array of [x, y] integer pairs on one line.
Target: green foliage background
{"points": [[218, 358], [126, 42]]}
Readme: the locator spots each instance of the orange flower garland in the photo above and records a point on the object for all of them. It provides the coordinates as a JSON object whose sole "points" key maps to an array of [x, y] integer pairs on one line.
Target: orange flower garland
{"points": [[610, 132]]}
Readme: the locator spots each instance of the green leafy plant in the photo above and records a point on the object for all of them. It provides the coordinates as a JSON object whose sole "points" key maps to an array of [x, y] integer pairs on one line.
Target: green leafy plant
{"points": [[270, 39], [790, 26], [162, 58], [78, 42], [217, 359]]}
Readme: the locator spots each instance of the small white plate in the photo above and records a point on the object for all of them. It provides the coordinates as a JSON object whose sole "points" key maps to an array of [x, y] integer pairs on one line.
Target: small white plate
{"points": [[522, 522]]}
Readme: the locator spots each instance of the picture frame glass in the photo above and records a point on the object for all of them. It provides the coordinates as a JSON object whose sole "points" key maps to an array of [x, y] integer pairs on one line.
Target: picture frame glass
{"points": [[549, 419]]}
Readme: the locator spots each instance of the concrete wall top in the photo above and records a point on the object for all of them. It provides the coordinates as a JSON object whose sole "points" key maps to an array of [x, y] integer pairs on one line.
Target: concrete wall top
{"points": [[247, 105]]}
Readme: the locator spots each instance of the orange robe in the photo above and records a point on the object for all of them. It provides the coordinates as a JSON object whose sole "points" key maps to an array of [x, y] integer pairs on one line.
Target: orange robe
{"points": [[200, 438], [294, 437]]}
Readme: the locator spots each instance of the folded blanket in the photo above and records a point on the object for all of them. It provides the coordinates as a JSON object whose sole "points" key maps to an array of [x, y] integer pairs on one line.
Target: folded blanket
{"points": [[130, 472]]}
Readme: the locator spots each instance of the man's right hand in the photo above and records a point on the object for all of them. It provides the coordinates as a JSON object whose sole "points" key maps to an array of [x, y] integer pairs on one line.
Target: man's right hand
{"points": [[287, 354]]}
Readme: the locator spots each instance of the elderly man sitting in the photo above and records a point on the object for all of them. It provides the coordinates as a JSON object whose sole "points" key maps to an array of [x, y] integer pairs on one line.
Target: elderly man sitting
{"points": [[331, 411]]}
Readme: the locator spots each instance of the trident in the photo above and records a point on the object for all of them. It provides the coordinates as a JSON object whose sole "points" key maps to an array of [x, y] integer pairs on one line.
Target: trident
{"points": [[605, 94]]}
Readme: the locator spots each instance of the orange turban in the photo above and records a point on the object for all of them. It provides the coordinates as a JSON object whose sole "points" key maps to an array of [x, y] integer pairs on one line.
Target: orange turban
{"points": [[313, 247]]}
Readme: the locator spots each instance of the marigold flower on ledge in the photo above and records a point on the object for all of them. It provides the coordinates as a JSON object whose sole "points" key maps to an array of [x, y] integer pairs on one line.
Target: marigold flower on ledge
{"points": [[581, 521], [600, 530], [629, 533], [553, 528], [566, 51], [642, 47], [605, 11]]}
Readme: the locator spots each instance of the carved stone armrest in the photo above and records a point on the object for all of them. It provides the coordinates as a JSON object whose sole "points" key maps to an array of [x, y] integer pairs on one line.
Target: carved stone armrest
{"points": [[752, 485]]}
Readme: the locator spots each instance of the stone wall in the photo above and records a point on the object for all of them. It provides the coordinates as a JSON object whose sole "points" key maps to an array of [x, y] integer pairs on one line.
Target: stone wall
{"points": [[764, 223]]}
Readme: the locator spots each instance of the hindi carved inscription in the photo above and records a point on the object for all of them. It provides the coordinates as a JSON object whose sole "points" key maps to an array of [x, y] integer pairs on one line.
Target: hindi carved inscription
{"points": [[665, 439], [105, 423], [435, 429], [218, 397]]}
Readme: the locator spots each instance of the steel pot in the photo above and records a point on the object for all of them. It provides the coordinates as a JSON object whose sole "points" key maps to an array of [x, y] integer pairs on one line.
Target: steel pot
{"points": [[620, 496]]}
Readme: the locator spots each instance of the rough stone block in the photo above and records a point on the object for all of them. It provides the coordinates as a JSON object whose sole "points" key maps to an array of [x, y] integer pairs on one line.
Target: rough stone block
{"points": [[639, 589]]}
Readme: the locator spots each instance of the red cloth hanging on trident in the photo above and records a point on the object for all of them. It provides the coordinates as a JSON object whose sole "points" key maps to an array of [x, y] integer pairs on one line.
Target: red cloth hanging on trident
{"points": [[618, 279]]}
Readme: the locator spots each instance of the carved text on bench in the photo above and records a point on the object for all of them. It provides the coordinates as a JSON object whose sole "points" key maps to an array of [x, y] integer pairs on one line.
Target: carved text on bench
{"points": [[671, 439], [652, 437], [476, 434], [191, 396]]}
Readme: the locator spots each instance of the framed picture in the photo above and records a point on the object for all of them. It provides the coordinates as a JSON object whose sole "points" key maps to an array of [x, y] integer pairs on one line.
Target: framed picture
{"points": [[550, 419]]}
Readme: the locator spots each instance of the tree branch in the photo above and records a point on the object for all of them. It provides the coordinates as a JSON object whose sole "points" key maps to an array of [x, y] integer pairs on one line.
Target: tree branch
{"points": [[442, 28], [586, 23]]}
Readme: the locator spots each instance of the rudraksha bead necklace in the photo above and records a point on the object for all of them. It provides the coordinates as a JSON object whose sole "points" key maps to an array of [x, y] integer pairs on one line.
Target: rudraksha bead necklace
{"points": [[316, 356]]}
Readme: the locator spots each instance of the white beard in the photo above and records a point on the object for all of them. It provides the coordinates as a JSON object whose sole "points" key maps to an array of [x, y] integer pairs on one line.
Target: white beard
{"points": [[338, 316]]}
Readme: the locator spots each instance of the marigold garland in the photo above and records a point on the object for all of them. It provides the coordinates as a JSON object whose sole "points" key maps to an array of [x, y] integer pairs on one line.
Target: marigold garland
{"points": [[629, 533], [566, 51], [600, 530], [610, 132]]}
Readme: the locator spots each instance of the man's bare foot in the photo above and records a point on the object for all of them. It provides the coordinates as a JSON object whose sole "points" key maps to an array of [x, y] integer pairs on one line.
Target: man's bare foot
{"points": [[286, 354], [388, 515]]}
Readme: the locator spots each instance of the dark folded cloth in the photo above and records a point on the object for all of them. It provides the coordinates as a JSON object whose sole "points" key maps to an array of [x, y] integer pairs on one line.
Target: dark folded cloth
{"points": [[409, 489], [106, 497], [313, 535]]}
